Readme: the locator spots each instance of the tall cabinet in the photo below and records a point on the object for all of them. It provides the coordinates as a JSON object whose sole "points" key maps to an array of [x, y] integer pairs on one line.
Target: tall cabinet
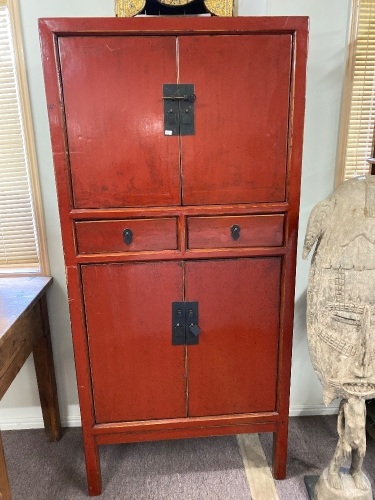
{"points": [[177, 148]]}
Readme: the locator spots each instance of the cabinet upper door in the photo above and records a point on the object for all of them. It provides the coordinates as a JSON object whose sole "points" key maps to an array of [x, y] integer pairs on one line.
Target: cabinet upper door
{"points": [[112, 91], [239, 151], [113, 98]]}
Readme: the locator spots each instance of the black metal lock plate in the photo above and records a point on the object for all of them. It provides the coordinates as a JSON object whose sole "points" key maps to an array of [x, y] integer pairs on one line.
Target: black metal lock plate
{"points": [[192, 328], [185, 329], [179, 108], [178, 323]]}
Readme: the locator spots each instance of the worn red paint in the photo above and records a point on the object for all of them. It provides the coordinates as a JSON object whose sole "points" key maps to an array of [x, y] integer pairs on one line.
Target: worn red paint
{"points": [[115, 169]]}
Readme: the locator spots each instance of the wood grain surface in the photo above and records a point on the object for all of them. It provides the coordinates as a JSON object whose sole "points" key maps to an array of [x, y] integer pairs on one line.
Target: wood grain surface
{"points": [[24, 329]]}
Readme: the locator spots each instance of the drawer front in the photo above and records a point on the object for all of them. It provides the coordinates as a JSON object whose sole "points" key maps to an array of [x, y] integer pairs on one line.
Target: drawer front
{"points": [[235, 232], [126, 235]]}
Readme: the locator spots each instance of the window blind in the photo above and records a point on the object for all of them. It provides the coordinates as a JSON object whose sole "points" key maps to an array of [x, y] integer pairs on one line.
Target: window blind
{"points": [[362, 108], [18, 237]]}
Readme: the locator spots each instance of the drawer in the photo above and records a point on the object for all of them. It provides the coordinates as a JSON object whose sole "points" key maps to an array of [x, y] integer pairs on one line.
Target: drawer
{"points": [[247, 230], [142, 234]]}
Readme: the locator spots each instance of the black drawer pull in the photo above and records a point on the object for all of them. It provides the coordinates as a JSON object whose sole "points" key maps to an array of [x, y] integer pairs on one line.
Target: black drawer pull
{"points": [[128, 236], [235, 231]]}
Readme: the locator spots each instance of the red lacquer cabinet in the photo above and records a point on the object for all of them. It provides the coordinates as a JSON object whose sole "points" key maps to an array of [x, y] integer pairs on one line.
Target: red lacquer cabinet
{"points": [[177, 147]]}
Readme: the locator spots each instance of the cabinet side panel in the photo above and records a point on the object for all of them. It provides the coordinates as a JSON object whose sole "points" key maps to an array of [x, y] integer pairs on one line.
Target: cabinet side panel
{"points": [[239, 150], [234, 367], [113, 88], [137, 374]]}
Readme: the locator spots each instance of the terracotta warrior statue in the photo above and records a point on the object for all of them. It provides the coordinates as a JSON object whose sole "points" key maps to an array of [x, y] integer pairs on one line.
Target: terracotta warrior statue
{"points": [[341, 321]]}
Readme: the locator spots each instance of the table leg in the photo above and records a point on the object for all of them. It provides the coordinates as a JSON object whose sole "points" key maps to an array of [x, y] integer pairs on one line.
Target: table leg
{"points": [[45, 374], [4, 481]]}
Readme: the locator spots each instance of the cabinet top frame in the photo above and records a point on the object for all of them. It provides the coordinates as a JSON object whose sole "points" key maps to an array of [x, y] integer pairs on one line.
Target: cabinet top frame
{"points": [[173, 25]]}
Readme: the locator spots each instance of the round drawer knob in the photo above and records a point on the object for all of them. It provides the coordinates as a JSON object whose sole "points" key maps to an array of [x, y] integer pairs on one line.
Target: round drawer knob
{"points": [[235, 231], [128, 236]]}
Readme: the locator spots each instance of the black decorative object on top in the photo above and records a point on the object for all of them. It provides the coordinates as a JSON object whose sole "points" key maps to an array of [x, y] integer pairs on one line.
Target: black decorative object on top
{"points": [[154, 8]]}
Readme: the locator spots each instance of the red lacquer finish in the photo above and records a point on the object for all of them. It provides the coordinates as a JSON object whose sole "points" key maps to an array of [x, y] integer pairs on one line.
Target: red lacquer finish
{"points": [[137, 374], [108, 236], [112, 90], [221, 232], [234, 367], [239, 152], [180, 196]]}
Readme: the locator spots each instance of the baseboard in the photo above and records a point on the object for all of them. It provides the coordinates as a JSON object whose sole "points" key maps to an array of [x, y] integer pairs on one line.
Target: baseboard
{"points": [[31, 418], [311, 410]]}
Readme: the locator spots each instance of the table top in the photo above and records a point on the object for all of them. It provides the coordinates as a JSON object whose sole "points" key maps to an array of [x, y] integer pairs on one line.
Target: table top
{"points": [[17, 296]]}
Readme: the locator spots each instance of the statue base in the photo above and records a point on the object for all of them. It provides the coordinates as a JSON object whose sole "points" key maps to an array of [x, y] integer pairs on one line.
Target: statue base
{"points": [[310, 483], [319, 489]]}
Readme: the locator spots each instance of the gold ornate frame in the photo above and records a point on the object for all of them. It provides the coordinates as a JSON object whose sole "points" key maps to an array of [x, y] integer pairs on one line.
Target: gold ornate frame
{"points": [[130, 8]]}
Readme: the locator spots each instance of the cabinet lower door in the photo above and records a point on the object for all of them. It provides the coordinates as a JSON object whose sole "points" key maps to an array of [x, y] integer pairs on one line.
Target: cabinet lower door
{"points": [[136, 372], [234, 367]]}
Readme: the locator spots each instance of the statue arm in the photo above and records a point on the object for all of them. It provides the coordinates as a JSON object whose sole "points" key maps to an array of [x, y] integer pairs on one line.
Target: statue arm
{"points": [[341, 419], [317, 224]]}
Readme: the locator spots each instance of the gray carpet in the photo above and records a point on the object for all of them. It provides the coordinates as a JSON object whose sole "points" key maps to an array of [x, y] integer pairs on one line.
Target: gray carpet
{"points": [[197, 469], [312, 441], [192, 469]]}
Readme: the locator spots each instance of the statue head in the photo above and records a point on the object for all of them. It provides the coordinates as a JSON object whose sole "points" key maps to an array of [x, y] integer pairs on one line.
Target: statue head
{"points": [[341, 291]]}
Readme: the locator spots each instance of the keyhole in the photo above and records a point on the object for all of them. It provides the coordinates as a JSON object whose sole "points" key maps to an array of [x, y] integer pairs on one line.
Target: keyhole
{"points": [[235, 231], [128, 236]]}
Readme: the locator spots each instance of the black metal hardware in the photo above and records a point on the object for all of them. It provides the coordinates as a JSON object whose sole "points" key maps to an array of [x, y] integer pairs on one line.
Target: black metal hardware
{"points": [[235, 231], [179, 108], [192, 328], [178, 323], [128, 236], [189, 98], [185, 329], [155, 8]]}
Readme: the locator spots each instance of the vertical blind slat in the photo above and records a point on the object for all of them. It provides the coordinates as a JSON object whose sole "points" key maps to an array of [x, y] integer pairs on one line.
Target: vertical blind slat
{"points": [[362, 109], [18, 242]]}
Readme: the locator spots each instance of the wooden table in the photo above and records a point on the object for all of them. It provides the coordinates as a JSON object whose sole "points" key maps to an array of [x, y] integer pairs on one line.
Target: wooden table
{"points": [[24, 329]]}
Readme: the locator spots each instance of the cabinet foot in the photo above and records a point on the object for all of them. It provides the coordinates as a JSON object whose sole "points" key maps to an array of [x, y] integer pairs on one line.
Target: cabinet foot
{"points": [[94, 476], [280, 451]]}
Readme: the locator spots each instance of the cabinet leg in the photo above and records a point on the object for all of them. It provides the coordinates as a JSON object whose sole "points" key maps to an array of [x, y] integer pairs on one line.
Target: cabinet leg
{"points": [[45, 374], [4, 481], [280, 451], [94, 476]]}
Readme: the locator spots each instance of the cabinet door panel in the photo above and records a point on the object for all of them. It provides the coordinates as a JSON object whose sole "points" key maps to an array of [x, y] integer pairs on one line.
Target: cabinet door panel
{"points": [[112, 87], [137, 374], [239, 150], [234, 367]]}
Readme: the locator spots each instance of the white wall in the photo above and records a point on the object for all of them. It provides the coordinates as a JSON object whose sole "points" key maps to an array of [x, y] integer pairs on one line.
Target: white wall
{"points": [[328, 31], [251, 7], [325, 72], [20, 405]]}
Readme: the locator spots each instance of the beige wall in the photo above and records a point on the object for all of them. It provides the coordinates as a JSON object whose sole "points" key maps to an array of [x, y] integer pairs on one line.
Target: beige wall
{"points": [[328, 30]]}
